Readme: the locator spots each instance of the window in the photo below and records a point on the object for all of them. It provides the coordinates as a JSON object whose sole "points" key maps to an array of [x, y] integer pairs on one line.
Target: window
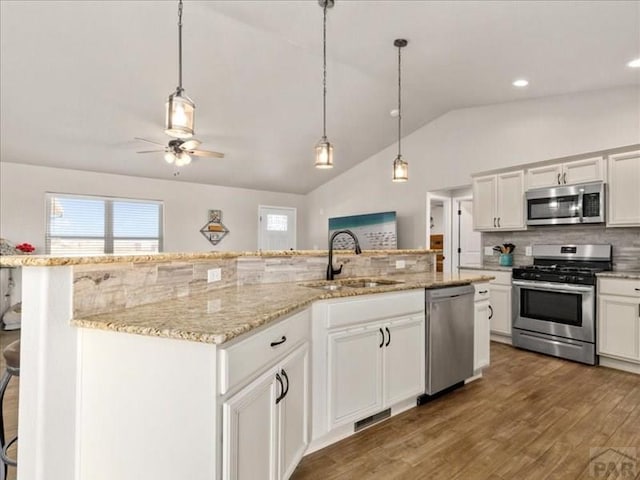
{"points": [[277, 223], [86, 225]]}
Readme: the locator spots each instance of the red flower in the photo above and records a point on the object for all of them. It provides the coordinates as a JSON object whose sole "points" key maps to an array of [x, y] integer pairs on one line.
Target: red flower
{"points": [[25, 247]]}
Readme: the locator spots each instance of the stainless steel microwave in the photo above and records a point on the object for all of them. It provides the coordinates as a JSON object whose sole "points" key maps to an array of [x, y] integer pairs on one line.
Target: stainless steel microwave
{"points": [[566, 204]]}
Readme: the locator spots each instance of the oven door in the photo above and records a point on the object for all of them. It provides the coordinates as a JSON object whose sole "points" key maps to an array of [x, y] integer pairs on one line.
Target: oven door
{"points": [[559, 309]]}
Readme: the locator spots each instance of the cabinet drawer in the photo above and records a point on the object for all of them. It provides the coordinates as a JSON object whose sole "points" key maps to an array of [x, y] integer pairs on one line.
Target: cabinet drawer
{"points": [[618, 286], [482, 292], [374, 307], [243, 360], [501, 278]]}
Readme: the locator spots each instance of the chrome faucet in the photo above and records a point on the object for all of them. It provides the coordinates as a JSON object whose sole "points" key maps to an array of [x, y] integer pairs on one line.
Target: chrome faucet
{"points": [[336, 271]]}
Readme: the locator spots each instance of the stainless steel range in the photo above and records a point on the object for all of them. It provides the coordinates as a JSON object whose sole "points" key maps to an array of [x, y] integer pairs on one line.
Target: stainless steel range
{"points": [[554, 301]]}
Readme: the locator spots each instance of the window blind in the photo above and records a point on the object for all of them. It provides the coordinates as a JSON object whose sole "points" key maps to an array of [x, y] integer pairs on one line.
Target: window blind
{"points": [[88, 225]]}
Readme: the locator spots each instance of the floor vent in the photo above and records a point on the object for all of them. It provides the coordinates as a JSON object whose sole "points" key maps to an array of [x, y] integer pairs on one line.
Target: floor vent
{"points": [[375, 418]]}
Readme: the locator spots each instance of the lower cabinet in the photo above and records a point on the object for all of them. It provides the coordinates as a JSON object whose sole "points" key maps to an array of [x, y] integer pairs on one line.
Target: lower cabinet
{"points": [[265, 425], [481, 332], [373, 367], [501, 308], [619, 319]]}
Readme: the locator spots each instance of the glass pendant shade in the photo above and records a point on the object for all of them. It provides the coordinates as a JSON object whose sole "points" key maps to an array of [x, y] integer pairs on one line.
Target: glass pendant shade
{"points": [[169, 157], [180, 115], [400, 170], [324, 154]]}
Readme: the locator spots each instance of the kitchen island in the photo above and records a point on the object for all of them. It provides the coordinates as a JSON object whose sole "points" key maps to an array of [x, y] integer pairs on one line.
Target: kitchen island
{"points": [[113, 386]]}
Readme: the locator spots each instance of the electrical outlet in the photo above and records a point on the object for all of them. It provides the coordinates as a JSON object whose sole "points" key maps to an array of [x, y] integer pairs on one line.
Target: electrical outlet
{"points": [[214, 275], [527, 251], [400, 264], [488, 251]]}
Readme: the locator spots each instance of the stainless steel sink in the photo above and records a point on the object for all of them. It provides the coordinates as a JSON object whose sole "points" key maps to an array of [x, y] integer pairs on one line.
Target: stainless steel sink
{"points": [[350, 283]]}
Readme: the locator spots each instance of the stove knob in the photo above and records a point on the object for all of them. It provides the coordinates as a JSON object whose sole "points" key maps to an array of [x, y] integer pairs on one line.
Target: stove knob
{"points": [[524, 275], [563, 278]]}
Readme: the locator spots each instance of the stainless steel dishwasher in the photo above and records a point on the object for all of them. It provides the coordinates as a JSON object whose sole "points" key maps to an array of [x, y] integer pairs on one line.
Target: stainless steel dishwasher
{"points": [[449, 339]]}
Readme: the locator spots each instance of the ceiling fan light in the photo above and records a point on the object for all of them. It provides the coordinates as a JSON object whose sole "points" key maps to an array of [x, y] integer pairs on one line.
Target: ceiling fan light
{"points": [[183, 158], [324, 154], [179, 119], [169, 157], [400, 170]]}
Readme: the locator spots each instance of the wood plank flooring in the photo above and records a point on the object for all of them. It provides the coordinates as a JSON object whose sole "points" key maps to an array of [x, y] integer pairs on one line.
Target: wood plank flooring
{"points": [[530, 417]]}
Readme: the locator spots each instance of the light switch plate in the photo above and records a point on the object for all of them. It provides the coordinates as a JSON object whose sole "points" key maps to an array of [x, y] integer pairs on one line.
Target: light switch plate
{"points": [[527, 251], [400, 264], [488, 251], [214, 275]]}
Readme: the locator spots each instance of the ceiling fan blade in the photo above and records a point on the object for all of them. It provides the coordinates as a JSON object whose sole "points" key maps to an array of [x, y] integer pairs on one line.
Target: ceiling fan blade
{"points": [[190, 144], [205, 153], [150, 151], [149, 141]]}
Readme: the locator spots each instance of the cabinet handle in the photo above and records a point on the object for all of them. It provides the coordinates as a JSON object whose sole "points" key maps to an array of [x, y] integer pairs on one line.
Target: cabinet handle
{"points": [[559, 179], [286, 391], [279, 397], [388, 333], [482, 292], [279, 342], [498, 222], [491, 310], [494, 222], [564, 178], [381, 333], [637, 289]]}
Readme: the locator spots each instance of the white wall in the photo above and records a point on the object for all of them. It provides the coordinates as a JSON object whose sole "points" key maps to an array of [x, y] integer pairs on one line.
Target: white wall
{"points": [[444, 154], [22, 205]]}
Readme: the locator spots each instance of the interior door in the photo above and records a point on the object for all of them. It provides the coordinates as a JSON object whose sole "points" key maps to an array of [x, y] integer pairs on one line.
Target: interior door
{"points": [[469, 241], [277, 228]]}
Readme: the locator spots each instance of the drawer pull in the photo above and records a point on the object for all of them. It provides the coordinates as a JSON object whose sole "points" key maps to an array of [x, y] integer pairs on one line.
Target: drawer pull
{"points": [[482, 292], [279, 342], [637, 289]]}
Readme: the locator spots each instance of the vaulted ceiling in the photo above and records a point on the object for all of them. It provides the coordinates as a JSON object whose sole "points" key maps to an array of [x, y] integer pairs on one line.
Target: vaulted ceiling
{"points": [[79, 80]]}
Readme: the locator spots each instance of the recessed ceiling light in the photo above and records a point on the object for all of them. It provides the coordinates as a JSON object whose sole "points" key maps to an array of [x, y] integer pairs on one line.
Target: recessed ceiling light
{"points": [[634, 63], [521, 82]]}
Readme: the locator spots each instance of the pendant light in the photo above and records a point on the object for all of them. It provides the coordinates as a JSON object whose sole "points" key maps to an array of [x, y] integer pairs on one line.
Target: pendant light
{"points": [[324, 149], [400, 167], [180, 108]]}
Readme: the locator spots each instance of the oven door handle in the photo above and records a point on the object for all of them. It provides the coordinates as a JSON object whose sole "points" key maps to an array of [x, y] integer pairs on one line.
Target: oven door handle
{"points": [[581, 205], [552, 287]]}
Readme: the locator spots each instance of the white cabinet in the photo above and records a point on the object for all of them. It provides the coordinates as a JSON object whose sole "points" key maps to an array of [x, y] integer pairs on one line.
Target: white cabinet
{"points": [[265, 427], [481, 330], [619, 319], [500, 303], [568, 173], [374, 367], [355, 373], [498, 202], [624, 190]]}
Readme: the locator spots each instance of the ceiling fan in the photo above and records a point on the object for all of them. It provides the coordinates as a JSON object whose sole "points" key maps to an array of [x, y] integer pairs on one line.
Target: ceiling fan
{"points": [[179, 151]]}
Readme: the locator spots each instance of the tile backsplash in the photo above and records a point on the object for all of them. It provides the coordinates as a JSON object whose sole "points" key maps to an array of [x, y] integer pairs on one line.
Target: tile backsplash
{"points": [[625, 242]]}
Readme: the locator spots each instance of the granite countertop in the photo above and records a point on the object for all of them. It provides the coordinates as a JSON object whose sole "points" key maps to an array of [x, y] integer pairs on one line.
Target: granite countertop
{"points": [[55, 261], [493, 268], [221, 315], [630, 274]]}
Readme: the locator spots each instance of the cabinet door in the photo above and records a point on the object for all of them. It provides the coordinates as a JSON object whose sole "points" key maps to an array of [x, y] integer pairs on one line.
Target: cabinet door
{"points": [[481, 335], [624, 190], [249, 431], [484, 203], [619, 327], [404, 359], [510, 210], [583, 171], [500, 311], [355, 374], [547, 176], [294, 411]]}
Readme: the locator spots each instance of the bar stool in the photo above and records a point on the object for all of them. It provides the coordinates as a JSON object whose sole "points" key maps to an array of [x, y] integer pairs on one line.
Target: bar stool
{"points": [[12, 357]]}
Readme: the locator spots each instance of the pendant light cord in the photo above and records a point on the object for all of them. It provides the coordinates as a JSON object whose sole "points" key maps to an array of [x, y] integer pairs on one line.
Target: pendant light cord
{"points": [[324, 72], [399, 100], [180, 46]]}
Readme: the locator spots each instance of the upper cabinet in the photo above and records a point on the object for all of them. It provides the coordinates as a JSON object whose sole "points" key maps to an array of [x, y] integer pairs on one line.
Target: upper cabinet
{"points": [[568, 173], [498, 202], [624, 190]]}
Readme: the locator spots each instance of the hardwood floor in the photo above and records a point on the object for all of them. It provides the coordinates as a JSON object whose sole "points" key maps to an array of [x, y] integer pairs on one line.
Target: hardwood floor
{"points": [[10, 399], [529, 417]]}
